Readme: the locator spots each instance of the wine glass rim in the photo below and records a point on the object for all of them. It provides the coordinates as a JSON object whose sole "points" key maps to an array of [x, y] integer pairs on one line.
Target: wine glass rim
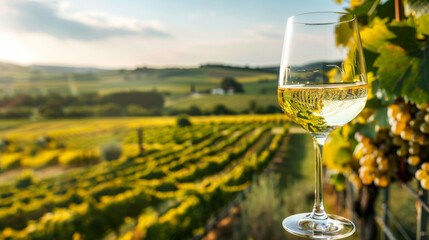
{"points": [[353, 17]]}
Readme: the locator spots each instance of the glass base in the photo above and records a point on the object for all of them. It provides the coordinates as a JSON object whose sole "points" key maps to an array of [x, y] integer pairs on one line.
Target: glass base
{"points": [[334, 227]]}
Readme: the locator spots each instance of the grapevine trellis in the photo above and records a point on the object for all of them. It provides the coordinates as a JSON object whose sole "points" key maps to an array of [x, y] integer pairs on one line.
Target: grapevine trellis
{"points": [[168, 190], [387, 221]]}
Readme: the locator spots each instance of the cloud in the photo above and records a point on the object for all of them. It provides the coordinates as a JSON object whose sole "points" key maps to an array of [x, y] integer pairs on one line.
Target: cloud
{"points": [[52, 19]]}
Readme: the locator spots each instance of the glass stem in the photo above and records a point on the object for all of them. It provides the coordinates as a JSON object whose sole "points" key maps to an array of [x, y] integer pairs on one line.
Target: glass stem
{"points": [[318, 210]]}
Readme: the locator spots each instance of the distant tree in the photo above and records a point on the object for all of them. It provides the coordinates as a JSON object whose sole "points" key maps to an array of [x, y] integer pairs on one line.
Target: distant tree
{"points": [[85, 99], [221, 109], [252, 105], [194, 111], [260, 110], [174, 112], [18, 112], [230, 82], [136, 110], [109, 110], [183, 121], [79, 111], [273, 109], [147, 100], [52, 108], [155, 111]]}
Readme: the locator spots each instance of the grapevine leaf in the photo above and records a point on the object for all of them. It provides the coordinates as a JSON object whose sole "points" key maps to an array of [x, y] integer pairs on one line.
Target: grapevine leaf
{"points": [[344, 156], [370, 58], [405, 36], [371, 9], [375, 37], [386, 10], [363, 9], [374, 103], [404, 75], [368, 130], [338, 180], [380, 117]]}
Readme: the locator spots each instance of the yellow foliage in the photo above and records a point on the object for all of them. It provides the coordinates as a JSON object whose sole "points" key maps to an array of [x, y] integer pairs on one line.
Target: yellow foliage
{"points": [[42, 159], [10, 160]]}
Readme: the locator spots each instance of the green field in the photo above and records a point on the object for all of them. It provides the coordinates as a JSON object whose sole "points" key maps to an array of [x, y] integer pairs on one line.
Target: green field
{"points": [[180, 87], [43, 79], [237, 102]]}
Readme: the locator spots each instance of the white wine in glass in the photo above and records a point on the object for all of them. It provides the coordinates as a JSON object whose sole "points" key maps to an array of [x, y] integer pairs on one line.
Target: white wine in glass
{"points": [[322, 86]]}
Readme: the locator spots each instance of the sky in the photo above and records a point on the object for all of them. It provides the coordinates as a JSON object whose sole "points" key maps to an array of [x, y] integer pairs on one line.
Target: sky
{"points": [[156, 33]]}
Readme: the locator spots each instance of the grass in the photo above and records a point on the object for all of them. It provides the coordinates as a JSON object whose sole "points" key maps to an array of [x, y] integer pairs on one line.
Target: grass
{"points": [[299, 164], [287, 190], [403, 208]]}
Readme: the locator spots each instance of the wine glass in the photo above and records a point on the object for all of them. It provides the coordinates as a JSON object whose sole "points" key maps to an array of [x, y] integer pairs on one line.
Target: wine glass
{"points": [[322, 86]]}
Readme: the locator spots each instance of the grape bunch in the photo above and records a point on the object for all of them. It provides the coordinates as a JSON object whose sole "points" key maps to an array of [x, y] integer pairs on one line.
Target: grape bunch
{"points": [[375, 165], [423, 175], [398, 150]]}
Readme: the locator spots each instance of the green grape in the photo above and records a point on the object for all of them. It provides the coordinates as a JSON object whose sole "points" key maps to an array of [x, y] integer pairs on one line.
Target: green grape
{"points": [[358, 136], [365, 141], [392, 110], [424, 127], [427, 117], [382, 160], [407, 133], [368, 150], [425, 141], [366, 170], [367, 178], [383, 164], [384, 147], [402, 152], [420, 115], [381, 181], [423, 106], [414, 123], [382, 135], [425, 183], [404, 107], [377, 153], [413, 160], [414, 149], [398, 127], [367, 160], [418, 137], [421, 174], [425, 166], [403, 117], [397, 141]]}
